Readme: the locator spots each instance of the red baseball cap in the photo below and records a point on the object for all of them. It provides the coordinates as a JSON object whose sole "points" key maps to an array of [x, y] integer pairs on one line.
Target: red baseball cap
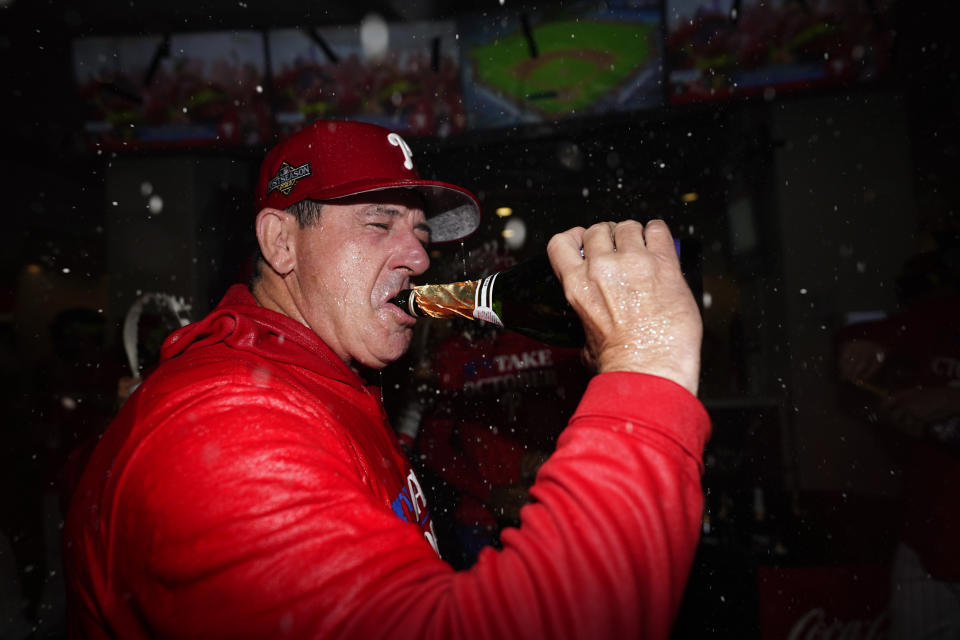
{"points": [[333, 159]]}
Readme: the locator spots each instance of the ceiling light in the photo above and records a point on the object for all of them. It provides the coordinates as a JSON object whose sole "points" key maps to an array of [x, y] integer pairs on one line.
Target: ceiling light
{"points": [[690, 196], [374, 36], [503, 212]]}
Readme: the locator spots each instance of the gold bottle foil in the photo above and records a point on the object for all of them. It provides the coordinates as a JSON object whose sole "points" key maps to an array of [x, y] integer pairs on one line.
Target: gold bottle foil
{"points": [[447, 300]]}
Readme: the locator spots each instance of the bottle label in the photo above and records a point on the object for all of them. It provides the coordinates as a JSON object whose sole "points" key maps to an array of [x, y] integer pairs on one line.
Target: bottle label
{"points": [[483, 302]]}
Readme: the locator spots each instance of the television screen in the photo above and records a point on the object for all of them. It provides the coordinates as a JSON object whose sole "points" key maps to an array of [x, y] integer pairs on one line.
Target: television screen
{"points": [[193, 89], [723, 48], [407, 79], [553, 63]]}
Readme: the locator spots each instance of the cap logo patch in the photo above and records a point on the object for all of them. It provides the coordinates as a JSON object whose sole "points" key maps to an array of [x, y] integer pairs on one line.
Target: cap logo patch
{"points": [[397, 141], [286, 178]]}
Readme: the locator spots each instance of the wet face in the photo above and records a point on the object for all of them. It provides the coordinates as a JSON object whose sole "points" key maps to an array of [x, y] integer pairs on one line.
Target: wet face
{"points": [[359, 255]]}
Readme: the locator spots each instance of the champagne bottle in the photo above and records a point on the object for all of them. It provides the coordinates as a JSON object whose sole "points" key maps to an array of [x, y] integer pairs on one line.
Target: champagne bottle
{"points": [[526, 298]]}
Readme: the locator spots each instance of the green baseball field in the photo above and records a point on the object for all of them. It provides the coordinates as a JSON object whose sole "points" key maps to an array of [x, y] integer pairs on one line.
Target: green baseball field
{"points": [[579, 62]]}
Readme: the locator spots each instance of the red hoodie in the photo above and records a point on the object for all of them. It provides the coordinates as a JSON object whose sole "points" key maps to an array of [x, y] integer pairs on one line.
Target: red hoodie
{"points": [[251, 488]]}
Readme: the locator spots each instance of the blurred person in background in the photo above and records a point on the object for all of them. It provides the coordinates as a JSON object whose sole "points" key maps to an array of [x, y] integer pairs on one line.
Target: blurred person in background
{"points": [[903, 376]]}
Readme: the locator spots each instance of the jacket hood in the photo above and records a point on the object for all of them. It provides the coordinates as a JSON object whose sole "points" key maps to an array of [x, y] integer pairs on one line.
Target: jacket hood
{"points": [[240, 323]]}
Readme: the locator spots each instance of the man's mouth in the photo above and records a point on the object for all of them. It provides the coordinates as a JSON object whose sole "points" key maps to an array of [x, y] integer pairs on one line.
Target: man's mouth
{"points": [[392, 289], [399, 314]]}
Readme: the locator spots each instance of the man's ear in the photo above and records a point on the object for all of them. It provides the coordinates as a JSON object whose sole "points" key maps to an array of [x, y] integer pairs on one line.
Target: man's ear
{"points": [[274, 234]]}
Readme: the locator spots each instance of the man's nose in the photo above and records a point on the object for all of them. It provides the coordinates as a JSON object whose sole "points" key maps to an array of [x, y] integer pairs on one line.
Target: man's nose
{"points": [[413, 255]]}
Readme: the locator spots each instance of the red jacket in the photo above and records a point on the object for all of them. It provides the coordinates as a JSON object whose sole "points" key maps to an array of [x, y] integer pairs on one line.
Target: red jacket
{"points": [[251, 488]]}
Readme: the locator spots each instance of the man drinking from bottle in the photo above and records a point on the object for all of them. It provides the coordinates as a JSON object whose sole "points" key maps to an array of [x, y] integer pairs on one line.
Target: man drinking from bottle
{"points": [[251, 486]]}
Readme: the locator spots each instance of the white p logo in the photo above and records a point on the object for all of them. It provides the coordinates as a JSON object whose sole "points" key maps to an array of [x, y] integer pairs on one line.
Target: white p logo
{"points": [[397, 141]]}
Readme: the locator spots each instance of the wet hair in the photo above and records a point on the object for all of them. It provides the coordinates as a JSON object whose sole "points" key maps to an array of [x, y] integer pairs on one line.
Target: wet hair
{"points": [[307, 212]]}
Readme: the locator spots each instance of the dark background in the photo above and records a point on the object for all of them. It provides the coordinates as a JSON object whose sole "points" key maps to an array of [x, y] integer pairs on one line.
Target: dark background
{"points": [[840, 186]]}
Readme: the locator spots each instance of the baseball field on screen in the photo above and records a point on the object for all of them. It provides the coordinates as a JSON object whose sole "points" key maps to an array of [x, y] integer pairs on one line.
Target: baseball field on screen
{"points": [[578, 63]]}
